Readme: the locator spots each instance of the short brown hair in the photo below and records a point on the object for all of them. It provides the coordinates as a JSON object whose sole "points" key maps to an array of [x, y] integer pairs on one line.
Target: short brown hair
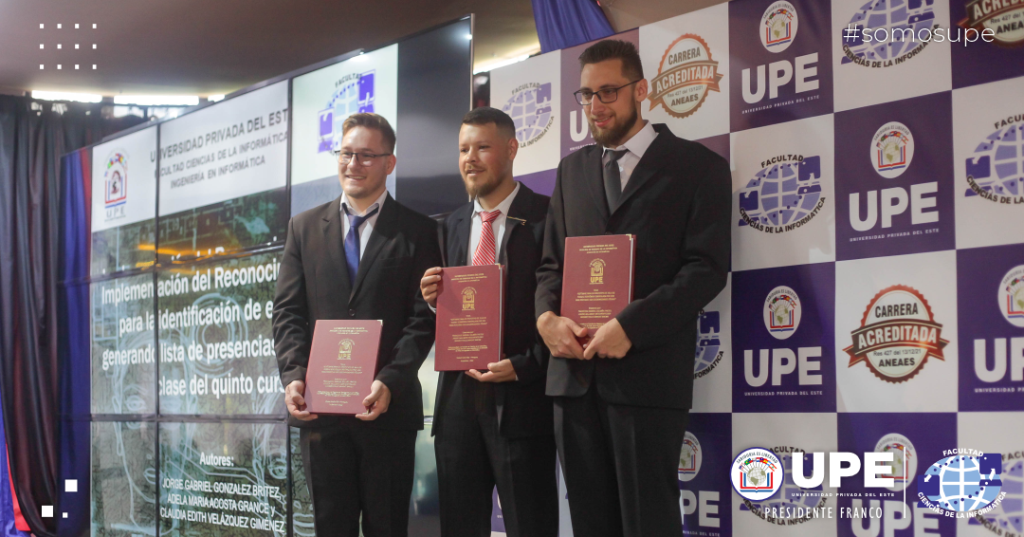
{"points": [[371, 121], [611, 49], [485, 114]]}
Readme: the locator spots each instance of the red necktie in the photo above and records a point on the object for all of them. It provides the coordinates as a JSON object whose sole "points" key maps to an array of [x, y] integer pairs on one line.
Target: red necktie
{"points": [[484, 254]]}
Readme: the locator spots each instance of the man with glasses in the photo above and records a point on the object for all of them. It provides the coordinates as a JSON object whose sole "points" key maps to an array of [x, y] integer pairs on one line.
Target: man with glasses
{"points": [[622, 398], [359, 257]]}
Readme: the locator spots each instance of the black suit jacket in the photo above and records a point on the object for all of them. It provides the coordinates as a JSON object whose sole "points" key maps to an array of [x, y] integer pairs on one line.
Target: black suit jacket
{"points": [[313, 283], [678, 204], [523, 409]]}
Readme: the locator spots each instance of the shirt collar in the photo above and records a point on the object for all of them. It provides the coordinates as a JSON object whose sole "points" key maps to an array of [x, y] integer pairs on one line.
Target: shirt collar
{"points": [[378, 203], [640, 141], [503, 206]]}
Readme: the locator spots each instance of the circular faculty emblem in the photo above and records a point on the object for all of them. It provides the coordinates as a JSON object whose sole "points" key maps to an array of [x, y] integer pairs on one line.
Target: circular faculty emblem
{"points": [[793, 503], [690, 457], [782, 312], [892, 149], [757, 474], [1004, 19], [778, 26], [1011, 296], [530, 108], [685, 76], [962, 483], [995, 171], [784, 195], [904, 461], [888, 25], [897, 335]]}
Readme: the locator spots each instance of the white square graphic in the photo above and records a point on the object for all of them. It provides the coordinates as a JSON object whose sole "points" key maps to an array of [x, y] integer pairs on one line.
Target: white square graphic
{"points": [[890, 312], [896, 69], [792, 432], [988, 164], [712, 383], [783, 203], [47, 511], [995, 433], [530, 92], [70, 485], [686, 62]]}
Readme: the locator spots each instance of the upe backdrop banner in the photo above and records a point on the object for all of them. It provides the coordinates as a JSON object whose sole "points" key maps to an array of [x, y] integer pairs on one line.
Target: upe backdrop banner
{"points": [[876, 300]]}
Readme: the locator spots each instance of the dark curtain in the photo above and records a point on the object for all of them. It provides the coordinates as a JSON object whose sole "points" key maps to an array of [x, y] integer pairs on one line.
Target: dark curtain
{"points": [[567, 23], [32, 143]]}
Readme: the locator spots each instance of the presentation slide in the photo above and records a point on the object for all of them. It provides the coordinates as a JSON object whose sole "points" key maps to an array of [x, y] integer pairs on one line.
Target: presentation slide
{"points": [[223, 172], [321, 100], [123, 479], [123, 203], [123, 349], [216, 343], [223, 479]]}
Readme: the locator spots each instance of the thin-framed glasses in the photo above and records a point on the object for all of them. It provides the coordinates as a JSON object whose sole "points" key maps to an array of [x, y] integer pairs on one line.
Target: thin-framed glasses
{"points": [[363, 159], [605, 95]]}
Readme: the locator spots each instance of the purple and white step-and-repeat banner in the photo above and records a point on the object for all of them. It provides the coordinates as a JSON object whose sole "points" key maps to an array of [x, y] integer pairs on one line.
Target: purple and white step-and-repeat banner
{"points": [[876, 300]]}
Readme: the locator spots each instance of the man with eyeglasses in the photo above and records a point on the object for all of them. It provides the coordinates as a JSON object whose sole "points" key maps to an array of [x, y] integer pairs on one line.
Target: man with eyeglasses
{"points": [[622, 398], [359, 257]]}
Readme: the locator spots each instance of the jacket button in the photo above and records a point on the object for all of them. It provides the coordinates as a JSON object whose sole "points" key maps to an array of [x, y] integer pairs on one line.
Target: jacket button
{"points": [[351, 313]]}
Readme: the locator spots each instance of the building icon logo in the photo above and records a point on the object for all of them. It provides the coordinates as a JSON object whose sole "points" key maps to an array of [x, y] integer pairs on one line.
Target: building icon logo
{"points": [[1011, 296], [690, 457], [779, 24], [116, 180], [892, 149], [468, 299], [757, 474], [903, 467], [782, 312], [345, 347]]}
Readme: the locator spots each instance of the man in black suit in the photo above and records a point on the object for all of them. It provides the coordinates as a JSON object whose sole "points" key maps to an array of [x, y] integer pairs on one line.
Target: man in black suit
{"points": [[494, 427], [622, 399], [359, 257]]}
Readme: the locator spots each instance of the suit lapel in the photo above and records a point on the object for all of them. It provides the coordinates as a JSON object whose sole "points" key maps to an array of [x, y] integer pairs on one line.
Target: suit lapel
{"points": [[593, 176], [460, 239], [654, 159], [515, 219], [383, 231], [335, 244]]}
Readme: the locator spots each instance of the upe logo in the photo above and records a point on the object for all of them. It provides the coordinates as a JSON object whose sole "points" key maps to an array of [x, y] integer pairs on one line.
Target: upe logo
{"points": [[530, 108], [892, 149], [779, 24], [1005, 19], [757, 474], [1011, 296], [685, 76], [995, 171], [354, 93], [345, 349], [709, 343], [967, 482], [903, 467], [886, 33], [597, 272], [784, 195], [897, 335], [116, 180], [690, 457], [782, 312], [468, 299], [796, 501]]}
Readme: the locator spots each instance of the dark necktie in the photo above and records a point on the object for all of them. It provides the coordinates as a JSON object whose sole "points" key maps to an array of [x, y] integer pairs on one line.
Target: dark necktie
{"points": [[352, 242], [612, 179]]}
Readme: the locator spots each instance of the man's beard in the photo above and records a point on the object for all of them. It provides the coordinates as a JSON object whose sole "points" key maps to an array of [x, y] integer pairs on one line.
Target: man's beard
{"points": [[480, 189], [614, 134]]}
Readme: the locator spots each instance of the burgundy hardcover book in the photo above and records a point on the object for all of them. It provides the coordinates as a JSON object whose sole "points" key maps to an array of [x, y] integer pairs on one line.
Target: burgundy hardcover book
{"points": [[470, 305], [597, 279], [342, 363]]}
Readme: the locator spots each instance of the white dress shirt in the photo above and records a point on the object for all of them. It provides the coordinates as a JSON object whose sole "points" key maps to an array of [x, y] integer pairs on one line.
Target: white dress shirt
{"points": [[366, 228], [635, 148], [497, 226]]}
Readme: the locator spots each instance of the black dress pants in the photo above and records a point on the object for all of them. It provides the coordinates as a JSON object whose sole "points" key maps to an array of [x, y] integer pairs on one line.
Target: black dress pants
{"points": [[356, 470], [621, 466]]}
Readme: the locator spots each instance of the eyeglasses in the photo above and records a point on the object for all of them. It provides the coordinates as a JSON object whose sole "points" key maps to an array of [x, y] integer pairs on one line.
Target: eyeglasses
{"points": [[363, 159], [605, 95]]}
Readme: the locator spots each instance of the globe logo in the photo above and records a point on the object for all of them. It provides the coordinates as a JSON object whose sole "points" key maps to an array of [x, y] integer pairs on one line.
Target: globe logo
{"points": [[531, 110], [783, 196], [757, 474], [962, 483], [1006, 517], [354, 94], [892, 149], [891, 46], [709, 331], [779, 24], [996, 169], [1011, 296], [781, 312]]}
